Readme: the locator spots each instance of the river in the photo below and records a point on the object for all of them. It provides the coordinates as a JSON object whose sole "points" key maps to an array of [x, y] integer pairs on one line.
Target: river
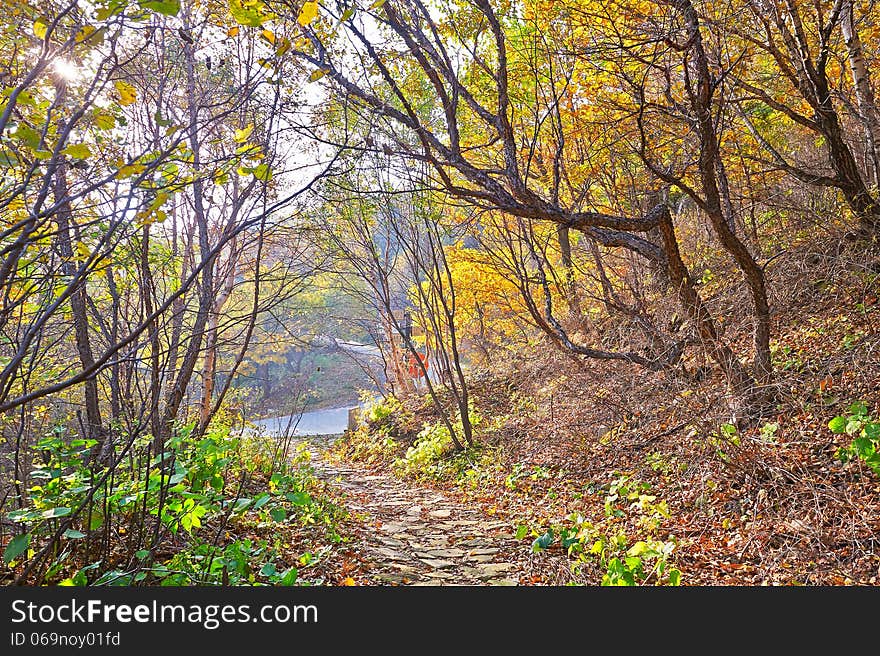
{"points": [[318, 422]]}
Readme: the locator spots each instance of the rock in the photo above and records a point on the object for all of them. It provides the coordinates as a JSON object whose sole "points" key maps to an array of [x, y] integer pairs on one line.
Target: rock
{"points": [[481, 558], [502, 582], [442, 513], [391, 554], [406, 569], [436, 563], [483, 551], [495, 525], [492, 570], [415, 510], [446, 553], [391, 527]]}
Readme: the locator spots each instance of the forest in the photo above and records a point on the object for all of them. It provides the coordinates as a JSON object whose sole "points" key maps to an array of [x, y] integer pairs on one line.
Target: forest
{"points": [[440, 292]]}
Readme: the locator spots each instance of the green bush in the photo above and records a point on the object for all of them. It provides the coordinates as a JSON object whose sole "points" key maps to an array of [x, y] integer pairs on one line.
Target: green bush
{"points": [[865, 432]]}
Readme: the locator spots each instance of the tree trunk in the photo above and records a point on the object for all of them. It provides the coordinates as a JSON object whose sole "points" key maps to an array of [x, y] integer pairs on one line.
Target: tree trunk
{"points": [[78, 306], [740, 383], [862, 84], [209, 368]]}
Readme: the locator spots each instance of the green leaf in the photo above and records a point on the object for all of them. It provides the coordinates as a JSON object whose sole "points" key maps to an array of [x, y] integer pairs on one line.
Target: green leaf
{"points": [[263, 172], [348, 13], [247, 12], [261, 500], [542, 542], [141, 554], [674, 577], [79, 579], [16, 547], [521, 531], [72, 534], [837, 425], [268, 570], [858, 408], [60, 511], [95, 521], [28, 135], [299, 498], [289, 577], [278, 514], [167, 7], [8, 160], [164, 122], [377, 4], [77, 151], [104, 120]]}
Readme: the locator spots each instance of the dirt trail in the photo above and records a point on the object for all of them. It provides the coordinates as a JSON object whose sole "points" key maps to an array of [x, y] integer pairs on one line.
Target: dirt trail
{"points": [[414, 535]]}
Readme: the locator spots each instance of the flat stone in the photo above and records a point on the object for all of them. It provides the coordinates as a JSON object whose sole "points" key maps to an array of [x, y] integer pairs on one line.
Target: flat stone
{"points": [[446, 553], [506, 582], [482, 551], [406, 569], [391, 542], [473, 542], [481, 558], [436, 563], [391, 554], [495, 525], [390, 577], [391, 527], [437, 539], [442, 513], [492, 570], [465, 522]]}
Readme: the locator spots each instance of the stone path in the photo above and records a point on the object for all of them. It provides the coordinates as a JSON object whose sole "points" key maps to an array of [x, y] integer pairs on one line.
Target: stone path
{"points": [[419, 536]]}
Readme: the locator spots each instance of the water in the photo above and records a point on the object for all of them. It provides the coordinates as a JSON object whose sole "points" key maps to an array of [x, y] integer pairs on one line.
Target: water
{"points": [[319, 422]]}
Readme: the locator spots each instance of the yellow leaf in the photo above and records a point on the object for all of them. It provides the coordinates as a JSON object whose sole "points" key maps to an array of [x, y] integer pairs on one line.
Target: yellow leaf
{"points": [[269, 35], [130, 169], [40, 28], [317, 74], [308, 13], [127, 93], [242, 135], [90, 34], [348, 581], [82, 251], [232, 31]]}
